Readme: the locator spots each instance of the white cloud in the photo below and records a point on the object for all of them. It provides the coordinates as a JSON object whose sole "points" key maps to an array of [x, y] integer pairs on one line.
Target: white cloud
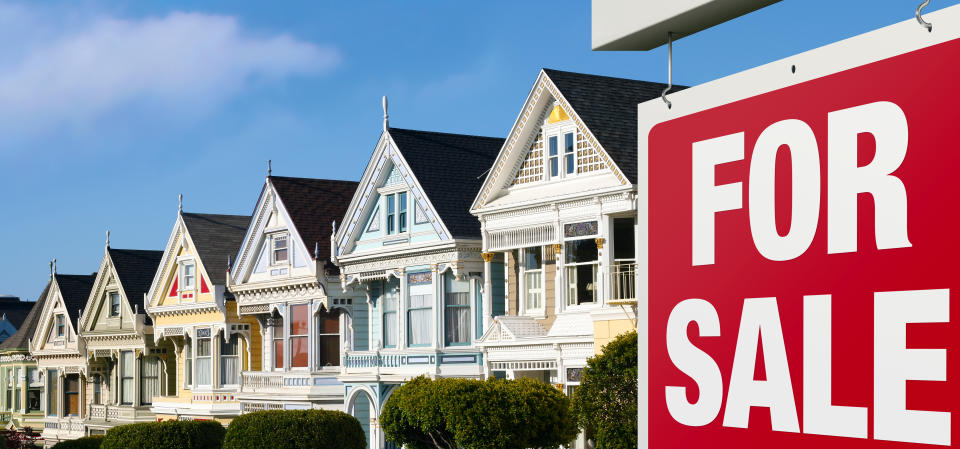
{"points": [[67, 74]]}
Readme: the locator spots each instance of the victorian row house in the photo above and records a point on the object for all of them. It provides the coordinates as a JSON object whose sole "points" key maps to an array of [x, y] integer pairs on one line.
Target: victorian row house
{"points": [[21, 386], [193, 312], [284, 279], [409, 246]]}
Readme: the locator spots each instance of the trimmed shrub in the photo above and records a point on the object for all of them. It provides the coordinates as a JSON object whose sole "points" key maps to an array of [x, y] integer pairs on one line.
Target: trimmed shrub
{"points": [[90, 442], [166, 435], [475, 414], [605, 403], [295, 429]]}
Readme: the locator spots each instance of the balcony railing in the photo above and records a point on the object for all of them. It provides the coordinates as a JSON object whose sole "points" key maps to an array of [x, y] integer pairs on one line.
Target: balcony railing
{"points": [[623, 282], [284, 382], [104, 412]]}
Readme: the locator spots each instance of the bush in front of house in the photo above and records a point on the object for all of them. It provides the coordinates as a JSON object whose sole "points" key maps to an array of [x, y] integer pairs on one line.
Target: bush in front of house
{"points": [[90, 442], [297, 429], [166, 435], [474, 414], [605, 403]]}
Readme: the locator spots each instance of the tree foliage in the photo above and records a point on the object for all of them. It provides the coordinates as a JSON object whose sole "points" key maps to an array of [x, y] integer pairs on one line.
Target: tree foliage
{"points": [[474, 414], [605, 403], [295, 429], [166, 435], [90, 442]]}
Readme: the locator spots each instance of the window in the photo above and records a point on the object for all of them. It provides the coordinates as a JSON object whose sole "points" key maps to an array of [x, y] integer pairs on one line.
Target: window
{"points": [[189, 276], [391, 214], [581, 262], [456, 314], [553, 157], [418, 321], [33, 399], [187, 364], [17, 389], [61, 328], [97, 389], [114, 304], [533, 278], [127, 368], [328, 338], [149, 379], [281, 250], [402, 207], [71, 395], [230, 361], [299, 327], [204, 368], [278, 342], [52, 378], [568, 154], [390, 318]]}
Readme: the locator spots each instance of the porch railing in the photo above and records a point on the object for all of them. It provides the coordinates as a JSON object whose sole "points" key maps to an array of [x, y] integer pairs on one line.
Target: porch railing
{"points": [[623, 282], [267, 382]]}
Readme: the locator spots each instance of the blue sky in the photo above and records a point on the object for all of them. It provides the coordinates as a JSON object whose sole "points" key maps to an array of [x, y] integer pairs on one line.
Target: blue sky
{"points": [[108, 110]]}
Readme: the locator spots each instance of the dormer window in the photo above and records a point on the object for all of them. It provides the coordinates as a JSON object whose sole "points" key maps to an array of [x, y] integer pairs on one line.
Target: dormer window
{"points": [[189, 275], [562, 160], [60, 326], [281, 249], [391, 214], [396, 216], [402, 207], [114, 304]]}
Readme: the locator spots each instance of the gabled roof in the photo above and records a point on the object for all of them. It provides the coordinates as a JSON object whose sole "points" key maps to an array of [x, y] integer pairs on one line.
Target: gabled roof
{"points": [[608, 107], [216, 238], [20, 339], [450, 168], [313, 205], [507, 328], [135, 269], [14, 309], [75, 290]]}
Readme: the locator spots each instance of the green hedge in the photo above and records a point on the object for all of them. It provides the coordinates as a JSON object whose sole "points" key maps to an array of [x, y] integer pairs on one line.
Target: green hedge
{"points": [[295, 429], [166, 435], [90, 442]]}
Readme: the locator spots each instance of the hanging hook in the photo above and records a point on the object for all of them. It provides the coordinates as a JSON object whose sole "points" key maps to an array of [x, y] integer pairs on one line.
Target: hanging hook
{"points": [[663, 95], [927, 25]]}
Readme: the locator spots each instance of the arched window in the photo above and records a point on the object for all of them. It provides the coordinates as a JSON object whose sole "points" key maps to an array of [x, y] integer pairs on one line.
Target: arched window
{"points": [[328, 338]]}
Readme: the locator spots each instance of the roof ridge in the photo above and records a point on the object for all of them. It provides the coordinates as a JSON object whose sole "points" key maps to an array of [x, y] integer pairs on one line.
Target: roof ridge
{"points": [[201, 214], [439, 133], [592, 75], [313, 179]]}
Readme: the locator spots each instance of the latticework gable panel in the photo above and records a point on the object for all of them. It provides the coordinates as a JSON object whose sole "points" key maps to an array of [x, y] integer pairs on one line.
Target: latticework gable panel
{"points": [[532, 168], [588, 158]]}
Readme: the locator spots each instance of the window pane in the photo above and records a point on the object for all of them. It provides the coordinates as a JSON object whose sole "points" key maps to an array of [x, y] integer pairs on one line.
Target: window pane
{"points": [[329, 323], [203, 371], [114, 304], [533, 258], [278, 353], [568, 143], [52, 390], [419, 324], [554, 167], [299, 319], [402, 206], [390, 329], [553, 146], [457, 321], [581, 251], [299, 350], [149, 379], [329, 350], [391, 206], [623, 235], [203, 347], [230, 361], [582, 281], [534, 290], [278, 327], [280, 248], [126, 377], [230, 346], [570, 164]]}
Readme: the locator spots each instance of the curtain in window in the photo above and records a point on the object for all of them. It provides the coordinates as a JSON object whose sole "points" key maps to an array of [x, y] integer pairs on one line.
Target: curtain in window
{"points": [[390, 320], [126, 377], [187, 364], [419, 322], [204, 367], [149, 379], [230, 361], [457, 318]]}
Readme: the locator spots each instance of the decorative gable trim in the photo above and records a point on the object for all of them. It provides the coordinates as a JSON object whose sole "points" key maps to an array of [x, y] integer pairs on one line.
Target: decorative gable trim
{"points": [[373, 176], [179, 238], [534, 112], [101, 284]]}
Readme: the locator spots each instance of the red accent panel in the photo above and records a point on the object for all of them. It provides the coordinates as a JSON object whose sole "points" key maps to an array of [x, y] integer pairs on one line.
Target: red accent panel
{"points": [[173, 289], [203, 286]]}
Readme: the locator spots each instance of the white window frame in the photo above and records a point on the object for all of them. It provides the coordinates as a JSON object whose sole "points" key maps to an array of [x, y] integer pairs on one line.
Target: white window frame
{"points": [[110, 296], [524, 308], [182, 268], [237, 356], [391, 196], [597, 298], [559, 132], [274, 238], [288, 337], [471, 317], [61, 326], [341, 335]]}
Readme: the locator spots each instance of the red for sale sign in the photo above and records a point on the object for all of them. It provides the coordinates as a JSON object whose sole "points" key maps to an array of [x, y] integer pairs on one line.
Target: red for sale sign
{"points": [[802, 223]]}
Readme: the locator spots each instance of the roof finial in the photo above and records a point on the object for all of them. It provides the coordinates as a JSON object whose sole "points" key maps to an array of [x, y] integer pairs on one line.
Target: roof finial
{"points": [[108, 238], [51, 268], [269, 168], [386, 117], [180, 203], [229, 262], [316, 250], [54, 266]]}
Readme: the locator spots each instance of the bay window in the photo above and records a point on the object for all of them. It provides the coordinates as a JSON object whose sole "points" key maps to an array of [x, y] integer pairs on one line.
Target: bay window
{"points": [[328, 338], [204, 359], [456, 313], [127, 361], [419, 321], [277, 342], [390, 318], [581, 262], [230, 361], [52, 395], [532, 279], [71, 395], [299, 342], [149, 379]]}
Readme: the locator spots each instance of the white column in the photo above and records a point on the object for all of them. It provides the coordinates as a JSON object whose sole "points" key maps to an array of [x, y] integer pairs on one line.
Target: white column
{"points": [[487, 290], [312, 335], [136, 378]]}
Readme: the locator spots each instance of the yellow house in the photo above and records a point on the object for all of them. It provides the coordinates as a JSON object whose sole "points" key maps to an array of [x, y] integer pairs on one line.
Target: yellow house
{"points": [[190, 307]]}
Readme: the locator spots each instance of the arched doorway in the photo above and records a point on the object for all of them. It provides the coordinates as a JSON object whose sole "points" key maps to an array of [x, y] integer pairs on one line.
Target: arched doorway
{"points": [[360, 405]]}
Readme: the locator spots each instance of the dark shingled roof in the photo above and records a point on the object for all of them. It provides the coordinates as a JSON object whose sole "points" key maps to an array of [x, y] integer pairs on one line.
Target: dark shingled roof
{"points": [[18, 341], [136, 268], [217, 238], [313, 205], [75, 290], [608, 107], [451, 169], [14, 309]]}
